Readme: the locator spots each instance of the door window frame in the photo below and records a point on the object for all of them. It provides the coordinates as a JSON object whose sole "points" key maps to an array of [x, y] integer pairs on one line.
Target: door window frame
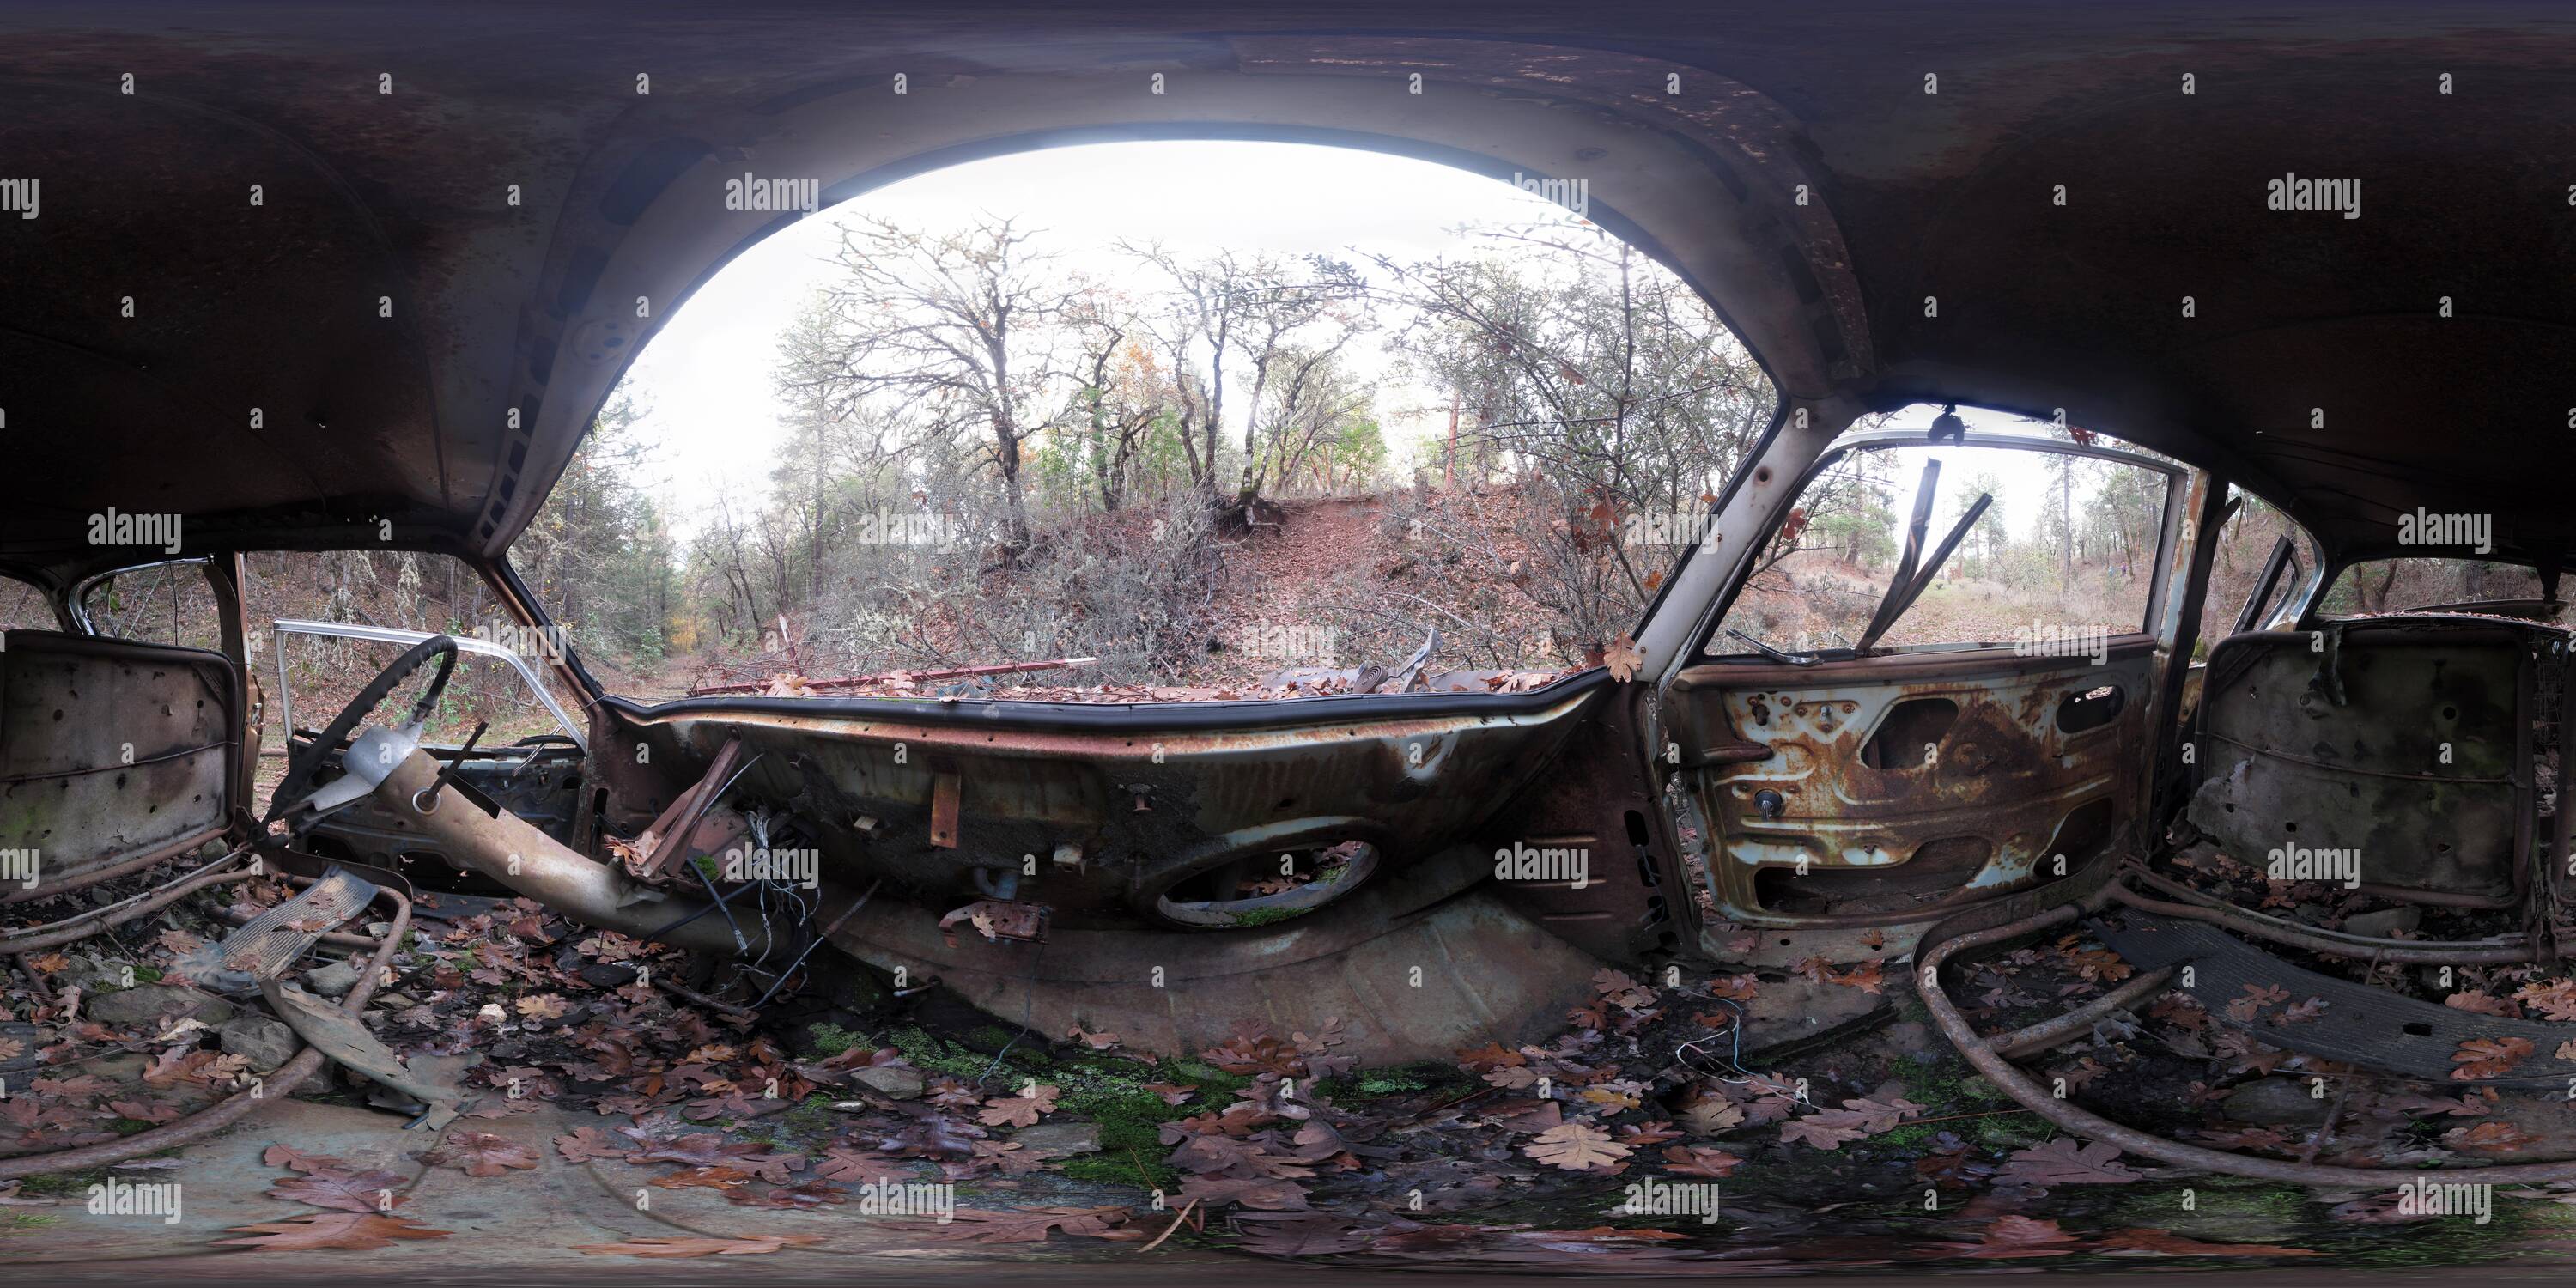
{"points": [[285, 626], [2169, 529]]}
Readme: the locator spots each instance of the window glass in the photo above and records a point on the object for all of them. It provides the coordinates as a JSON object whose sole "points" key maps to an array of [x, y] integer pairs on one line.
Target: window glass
{"points": [[2063, 555]]}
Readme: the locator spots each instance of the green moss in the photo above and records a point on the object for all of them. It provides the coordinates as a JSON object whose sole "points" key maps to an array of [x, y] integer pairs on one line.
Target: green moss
{"points": [[25, 1223], [812, 1116], [832, 1039], [939, 1055], [58, 1185], [1403, 1080], [1264, 916], [1946, 1085]]}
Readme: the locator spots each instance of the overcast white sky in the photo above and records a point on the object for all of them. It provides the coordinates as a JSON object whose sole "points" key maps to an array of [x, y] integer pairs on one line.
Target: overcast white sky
{"points": [[705, 378]]}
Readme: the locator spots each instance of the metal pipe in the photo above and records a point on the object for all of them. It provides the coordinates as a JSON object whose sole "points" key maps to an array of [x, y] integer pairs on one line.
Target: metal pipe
{"points": [[2031, 1096], [83, 881], [2035, 1038], [74, 929], [2399, 951], [507, 849]]}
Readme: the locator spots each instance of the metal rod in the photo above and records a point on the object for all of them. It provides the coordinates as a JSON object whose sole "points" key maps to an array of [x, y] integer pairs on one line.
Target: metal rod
{"points": [[2031, 1096], [862, 681], [2035, 1038]]}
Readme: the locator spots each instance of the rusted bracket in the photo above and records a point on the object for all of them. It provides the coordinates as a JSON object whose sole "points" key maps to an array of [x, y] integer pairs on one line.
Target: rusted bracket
{"points": [[670, 833], [946, 791]]}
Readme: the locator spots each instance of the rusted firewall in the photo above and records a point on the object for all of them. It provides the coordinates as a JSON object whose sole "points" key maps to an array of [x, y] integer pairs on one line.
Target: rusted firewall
{"points": [[2408, 742], [1414, 971], [1880, 792], [1143, 808]]}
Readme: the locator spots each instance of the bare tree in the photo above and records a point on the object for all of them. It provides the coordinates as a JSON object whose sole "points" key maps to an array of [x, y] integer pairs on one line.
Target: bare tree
{"points": [[1124, 393], [957, 327]]}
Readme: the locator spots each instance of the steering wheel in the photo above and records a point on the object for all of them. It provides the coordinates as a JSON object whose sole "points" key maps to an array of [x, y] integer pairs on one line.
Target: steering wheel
{"points": [[375, 753]]}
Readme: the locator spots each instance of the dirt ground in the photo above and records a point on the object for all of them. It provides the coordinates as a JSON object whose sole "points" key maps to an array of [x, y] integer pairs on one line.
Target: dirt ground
{"points": [[618, 1121]]}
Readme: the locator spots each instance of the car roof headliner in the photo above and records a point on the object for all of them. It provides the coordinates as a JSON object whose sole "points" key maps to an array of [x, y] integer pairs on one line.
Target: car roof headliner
{"points": [[2319, 368]]}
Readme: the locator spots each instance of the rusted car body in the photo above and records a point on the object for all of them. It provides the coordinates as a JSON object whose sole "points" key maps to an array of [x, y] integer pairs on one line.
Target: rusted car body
{"points": [[1876, 241]]}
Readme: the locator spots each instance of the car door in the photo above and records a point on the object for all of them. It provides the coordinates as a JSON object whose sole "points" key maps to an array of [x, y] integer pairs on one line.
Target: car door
{"points": [[1934, 686]]}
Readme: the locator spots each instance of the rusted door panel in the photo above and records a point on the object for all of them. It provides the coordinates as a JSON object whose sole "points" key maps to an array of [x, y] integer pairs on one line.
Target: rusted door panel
{"points": [[1899, 786], [2408, 741], [111, 753]]}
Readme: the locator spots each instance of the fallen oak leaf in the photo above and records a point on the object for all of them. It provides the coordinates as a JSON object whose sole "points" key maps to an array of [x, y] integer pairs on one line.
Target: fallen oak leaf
{"points": [[1031, 1225], [2476, 1003], [543, 1006], [1623, 657], [288, 1156], [1304, 1234], [355, 1231], [1826, 1131], [795, 1198], [483, 1154], [1577, 1147], [370, 1191], [2165, 1243], [1869, 977], [2488, 1057], [2016, 1237], [702, 1178], [2257, 997], [660, 1247], [586, 1144], [1699, 1160], [2068, 1161], [2488, 1138], [1022, 1110]]}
